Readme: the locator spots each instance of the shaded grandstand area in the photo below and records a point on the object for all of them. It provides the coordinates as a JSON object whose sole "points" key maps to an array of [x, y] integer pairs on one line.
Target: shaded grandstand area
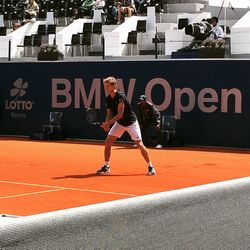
{"points": [[162, 35]]}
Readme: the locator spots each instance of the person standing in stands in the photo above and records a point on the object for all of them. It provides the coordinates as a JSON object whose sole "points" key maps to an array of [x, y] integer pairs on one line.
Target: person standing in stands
{"points": [[149, 117]]}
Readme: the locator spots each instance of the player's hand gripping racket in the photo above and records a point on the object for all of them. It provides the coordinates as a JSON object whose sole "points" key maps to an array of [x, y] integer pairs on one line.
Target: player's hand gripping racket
{"points": [[92, 117]]}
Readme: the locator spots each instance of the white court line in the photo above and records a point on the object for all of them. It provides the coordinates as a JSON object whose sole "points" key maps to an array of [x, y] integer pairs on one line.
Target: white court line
{"points": [[67, 188], [27, 194]]}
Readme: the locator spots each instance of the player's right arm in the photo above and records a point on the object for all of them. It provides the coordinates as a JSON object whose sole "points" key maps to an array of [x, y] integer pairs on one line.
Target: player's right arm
{"points": [[109, 116]]}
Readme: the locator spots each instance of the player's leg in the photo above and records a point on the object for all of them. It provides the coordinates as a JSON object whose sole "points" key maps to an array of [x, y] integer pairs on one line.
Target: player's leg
{"points": [[115, 132], [105, 169], [135, 133], [143, 150], [107, 150], [146, 156]]}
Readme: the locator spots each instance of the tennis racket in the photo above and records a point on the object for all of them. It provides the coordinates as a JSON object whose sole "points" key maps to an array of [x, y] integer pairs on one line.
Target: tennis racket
{"points": [[92, 117]]}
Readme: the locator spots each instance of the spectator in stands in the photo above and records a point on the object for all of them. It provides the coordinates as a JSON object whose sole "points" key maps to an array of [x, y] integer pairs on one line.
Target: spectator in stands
{"points": [[99, 4], [218, 32], [125, 7], [31, 18], [216, 37], [86, 8], [111, 11], [16, 26], [31, 8], [149, 118]]}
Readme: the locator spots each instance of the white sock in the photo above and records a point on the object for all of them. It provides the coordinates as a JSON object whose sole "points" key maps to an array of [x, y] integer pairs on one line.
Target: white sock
{"points": [[106, 163], [149, 163]]}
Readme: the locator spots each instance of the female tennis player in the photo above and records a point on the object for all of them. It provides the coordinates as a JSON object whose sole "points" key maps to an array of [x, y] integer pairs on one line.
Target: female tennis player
{"points": [[120, 113]]}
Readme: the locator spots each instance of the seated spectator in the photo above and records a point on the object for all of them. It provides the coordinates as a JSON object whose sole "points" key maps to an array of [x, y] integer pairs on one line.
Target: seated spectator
{"points": [[30, 18], [218, 32], [16, 26], [216, 38], [31, 8], [86, 8], [149, 117], [125, 7], [111, 11], [99, 4]]}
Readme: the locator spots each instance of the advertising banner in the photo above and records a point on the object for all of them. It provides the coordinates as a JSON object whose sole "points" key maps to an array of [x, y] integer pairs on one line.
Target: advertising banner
{"points": [[209, 98]]}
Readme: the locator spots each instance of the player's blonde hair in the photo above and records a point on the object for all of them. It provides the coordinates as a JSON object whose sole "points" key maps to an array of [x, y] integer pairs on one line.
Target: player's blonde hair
{"points": [[110, 80]]}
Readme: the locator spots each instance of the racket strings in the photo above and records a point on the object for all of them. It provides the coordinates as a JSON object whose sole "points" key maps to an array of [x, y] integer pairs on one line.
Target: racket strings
{"points": [[91, 116]]}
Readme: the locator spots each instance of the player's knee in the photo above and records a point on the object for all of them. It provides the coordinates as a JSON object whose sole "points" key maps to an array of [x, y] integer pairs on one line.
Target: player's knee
{"points": [[109, 141], [139, 144]]}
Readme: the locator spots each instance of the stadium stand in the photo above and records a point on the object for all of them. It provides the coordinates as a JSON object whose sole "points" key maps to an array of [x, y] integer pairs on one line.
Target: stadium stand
{"points": [[171, 21]]}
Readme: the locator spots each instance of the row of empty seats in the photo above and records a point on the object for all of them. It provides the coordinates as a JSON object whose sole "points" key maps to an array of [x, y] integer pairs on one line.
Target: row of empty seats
{"points": [[31, 41], [41, 37], [133, 35], [95, 28], [84, 38], [43, 29], [89, 36]]}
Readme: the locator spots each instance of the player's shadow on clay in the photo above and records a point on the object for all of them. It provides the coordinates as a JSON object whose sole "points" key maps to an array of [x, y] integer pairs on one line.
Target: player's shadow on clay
{"points": [[84, 176]]}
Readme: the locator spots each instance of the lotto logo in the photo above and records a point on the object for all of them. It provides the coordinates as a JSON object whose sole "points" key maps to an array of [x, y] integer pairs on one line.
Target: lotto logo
{"points": [[18, 91]]}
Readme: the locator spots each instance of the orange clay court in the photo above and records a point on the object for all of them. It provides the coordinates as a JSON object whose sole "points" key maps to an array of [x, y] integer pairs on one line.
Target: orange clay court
{"points": [[38, 177]]}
